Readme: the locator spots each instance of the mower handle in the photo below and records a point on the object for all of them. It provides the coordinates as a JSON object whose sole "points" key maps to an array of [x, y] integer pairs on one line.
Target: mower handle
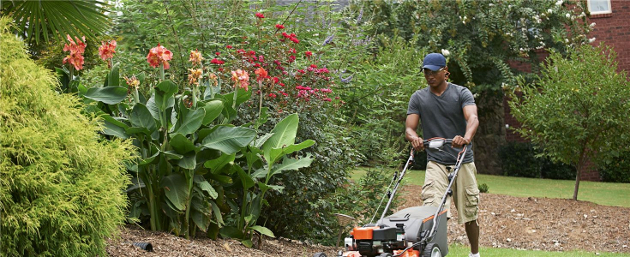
{"points": [[437, 142]]}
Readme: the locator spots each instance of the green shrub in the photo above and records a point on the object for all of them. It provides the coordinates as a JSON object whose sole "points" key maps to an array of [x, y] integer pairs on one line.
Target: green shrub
{"points": [[615, 169], [519, 160], [61, 188], [484, 188]]}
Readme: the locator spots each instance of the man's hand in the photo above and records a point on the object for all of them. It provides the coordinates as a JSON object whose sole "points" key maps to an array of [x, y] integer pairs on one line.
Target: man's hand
{"points": [[459, 141], [417, 143]]}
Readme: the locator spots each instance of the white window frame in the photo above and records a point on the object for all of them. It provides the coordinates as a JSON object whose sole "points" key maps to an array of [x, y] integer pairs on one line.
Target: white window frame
{"points": [[599, 12]]}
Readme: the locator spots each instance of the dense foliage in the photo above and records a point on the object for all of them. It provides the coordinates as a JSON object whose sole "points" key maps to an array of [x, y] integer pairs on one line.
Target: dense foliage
{"points": [[523, 160], [615, 168], [62, 188], [577, 109]]}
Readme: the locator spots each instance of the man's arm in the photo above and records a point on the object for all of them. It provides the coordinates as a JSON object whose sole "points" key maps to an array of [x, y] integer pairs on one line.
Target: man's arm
{"points": [[472, 123], [411, 124]]}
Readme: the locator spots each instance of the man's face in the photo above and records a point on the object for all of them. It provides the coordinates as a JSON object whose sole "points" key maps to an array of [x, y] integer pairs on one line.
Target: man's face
{"points": [[435, 78]]}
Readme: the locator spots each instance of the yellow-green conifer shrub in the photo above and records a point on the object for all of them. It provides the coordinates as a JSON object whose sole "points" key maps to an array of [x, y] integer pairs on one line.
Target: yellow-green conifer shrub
{"points": [[61, 185]]}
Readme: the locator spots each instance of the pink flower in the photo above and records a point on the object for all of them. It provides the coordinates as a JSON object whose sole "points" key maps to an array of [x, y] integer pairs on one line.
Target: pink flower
{"points": [[76, 52], [260, 15], [241, 79], [159, 55], [107, 50], [279, 26], [327, 99]]}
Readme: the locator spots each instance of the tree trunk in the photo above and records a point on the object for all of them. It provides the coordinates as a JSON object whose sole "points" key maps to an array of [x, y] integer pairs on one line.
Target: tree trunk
{"points": [[578, 175]]}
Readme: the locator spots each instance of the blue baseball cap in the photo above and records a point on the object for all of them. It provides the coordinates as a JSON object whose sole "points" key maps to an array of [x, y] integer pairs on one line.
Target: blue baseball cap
{"points": [[434, 61]]}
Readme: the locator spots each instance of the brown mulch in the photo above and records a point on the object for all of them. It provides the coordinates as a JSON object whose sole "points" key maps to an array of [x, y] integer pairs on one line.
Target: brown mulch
{"points": [[505, 221]]}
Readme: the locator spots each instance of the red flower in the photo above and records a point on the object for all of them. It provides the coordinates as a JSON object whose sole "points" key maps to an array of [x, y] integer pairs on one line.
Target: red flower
{"points": [[275, 80], [228, 47], [107, 50], [218, 53], [217, 61], [260, 15], [76, 52], [308, 53], [279, 26], [292, 58], [159, 55], [272, 95]]}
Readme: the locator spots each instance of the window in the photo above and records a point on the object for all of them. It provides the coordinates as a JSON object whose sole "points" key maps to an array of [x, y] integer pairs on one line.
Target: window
{"points": [[599, 6]]}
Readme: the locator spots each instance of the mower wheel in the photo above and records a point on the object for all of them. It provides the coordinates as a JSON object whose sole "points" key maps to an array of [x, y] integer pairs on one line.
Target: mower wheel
{"points": [[385, 255], [432, 250], [319, 255]]}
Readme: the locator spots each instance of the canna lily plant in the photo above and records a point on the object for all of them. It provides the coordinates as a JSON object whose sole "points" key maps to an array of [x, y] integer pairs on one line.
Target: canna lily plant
{"points": [[195, 169]]}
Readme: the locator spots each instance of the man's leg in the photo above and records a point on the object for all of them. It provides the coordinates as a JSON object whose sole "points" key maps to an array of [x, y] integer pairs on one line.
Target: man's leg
{"points": [[472, 231], [466, 196]]}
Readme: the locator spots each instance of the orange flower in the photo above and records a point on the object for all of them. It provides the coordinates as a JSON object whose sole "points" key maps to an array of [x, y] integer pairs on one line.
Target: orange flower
{"points": [[241, 79], [194, 75], [261, 74], [159, 55], [76, 52], [107, 50], [195, 57]]}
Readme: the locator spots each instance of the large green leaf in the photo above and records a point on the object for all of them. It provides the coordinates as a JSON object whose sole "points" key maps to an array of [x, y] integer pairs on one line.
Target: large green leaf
{"points": [[113, 79], [188, 161], [246, 179], [263, 230], [216, 164], [203, 184], [114, 130], [176, 190], [200, 219], [213, 110], [191, 122], [107, 95], [141, 118], [164, 94], [283, 135], [292, 164], [229, 139], [181, 144], [275, 153]]}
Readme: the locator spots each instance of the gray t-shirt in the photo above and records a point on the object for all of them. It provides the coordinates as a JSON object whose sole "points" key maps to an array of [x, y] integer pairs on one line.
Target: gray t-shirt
{"points": [[443, 116]]}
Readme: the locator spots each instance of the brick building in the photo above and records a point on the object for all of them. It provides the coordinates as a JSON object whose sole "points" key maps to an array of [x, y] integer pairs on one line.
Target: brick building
{"points": [[612, 27]]}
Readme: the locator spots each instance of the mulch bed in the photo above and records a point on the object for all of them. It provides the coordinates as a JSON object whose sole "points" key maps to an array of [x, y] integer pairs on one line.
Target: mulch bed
{"points": [[507, 222]]}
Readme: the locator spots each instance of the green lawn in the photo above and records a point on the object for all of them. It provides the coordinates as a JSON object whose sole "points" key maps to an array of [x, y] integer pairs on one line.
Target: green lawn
{"points": [[457, 250], [612, 194]]}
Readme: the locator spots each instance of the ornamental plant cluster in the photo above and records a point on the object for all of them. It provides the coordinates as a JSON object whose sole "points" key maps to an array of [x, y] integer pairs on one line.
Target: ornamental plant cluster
{"points": [[196, 170], [61, 186]]}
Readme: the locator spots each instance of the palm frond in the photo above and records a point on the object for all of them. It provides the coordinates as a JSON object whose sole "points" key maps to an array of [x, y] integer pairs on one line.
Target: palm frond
{"points": [[41, 18]]}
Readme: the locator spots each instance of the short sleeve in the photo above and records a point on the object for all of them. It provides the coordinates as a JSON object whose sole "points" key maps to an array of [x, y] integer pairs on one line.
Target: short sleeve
{"points": [[466, 97], [414, 105]]}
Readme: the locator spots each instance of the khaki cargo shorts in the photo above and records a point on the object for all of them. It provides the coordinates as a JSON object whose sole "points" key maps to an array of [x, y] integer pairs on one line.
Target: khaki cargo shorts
{"points": [[465, 190]]}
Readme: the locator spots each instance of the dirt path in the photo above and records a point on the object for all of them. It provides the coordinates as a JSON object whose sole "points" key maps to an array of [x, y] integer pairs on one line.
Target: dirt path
{"points": [[505, 221]]}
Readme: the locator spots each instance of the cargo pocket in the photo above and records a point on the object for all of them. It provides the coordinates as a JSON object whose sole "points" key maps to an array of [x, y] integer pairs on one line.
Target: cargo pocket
{"points": [[428, 193], [472, 200]]}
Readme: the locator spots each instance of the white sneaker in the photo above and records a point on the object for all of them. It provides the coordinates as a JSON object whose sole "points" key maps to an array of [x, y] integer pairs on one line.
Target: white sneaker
{"points": [[474, 255]]}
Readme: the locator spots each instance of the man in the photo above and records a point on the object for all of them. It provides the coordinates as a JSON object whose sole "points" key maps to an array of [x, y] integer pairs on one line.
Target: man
{"points": [[448, 111]]}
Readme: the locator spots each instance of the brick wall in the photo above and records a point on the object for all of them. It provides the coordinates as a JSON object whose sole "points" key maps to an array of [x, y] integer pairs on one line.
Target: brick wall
{"points": [[612, 29]]}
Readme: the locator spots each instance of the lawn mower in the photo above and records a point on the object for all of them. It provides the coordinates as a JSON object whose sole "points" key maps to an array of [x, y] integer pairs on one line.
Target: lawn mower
{"points": [[412, 232]]}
